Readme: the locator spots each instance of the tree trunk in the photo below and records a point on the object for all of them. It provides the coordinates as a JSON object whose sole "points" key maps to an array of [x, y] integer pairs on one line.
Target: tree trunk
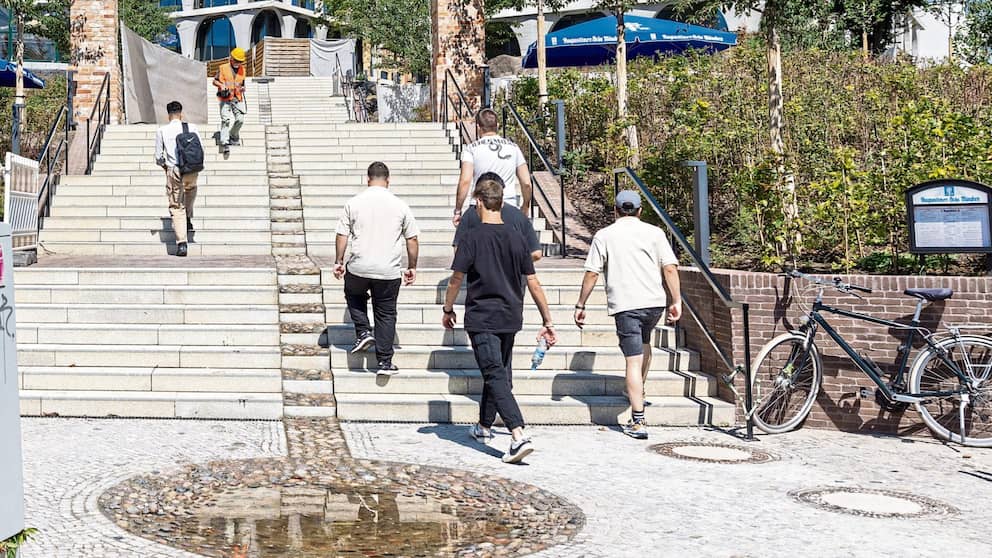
{"points": [[18, 108], [864, 43], [630, 131], [776, 116], [542, 61]]}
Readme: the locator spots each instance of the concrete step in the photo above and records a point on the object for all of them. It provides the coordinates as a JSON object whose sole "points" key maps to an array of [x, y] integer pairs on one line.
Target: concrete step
{"points": [[148, 314], [203, 199], [173, 277], [203, 214], [162, 404], [558, 358], [259, 190], [205, 219], [148, 334], [153, 248], [103, 166], [175, 356], [234, 180], [362, 156], [146, 294], [151, 379], [395, 166], [358, 144], [427, 249], [159, 233], [431, 314], [439, 277], [400, 184], [422, 293], [430, 334], [554, 383], [536, 409]]}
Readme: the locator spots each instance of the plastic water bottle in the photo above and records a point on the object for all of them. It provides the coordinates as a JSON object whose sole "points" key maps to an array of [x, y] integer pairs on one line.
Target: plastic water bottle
{"points": [[539, 351]]}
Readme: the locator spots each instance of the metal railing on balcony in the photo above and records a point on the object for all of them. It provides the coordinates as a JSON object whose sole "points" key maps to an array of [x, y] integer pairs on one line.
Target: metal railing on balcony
{"points": [[721, 293]]}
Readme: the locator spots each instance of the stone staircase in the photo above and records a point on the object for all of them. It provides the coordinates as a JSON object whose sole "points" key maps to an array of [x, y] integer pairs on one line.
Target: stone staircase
{"points": [[111, 325], [127, 340]]}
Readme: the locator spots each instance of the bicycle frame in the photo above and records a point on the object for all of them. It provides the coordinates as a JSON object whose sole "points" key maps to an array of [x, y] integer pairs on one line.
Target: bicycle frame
{"points": [[817, 320]]}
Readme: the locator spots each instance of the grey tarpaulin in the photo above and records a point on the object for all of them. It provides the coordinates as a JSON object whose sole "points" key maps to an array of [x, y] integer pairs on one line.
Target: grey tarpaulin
{"points": [[324, 56], [398, 103], [154, 76]]}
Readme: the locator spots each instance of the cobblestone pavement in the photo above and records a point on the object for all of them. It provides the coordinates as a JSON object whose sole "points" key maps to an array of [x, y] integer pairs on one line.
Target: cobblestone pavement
{"points": [[641, 504], [69, 463]]}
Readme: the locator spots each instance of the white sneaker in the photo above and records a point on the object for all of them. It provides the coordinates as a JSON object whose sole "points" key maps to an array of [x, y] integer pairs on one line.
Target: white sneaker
{"points": [[518, 451], [481, 435]]}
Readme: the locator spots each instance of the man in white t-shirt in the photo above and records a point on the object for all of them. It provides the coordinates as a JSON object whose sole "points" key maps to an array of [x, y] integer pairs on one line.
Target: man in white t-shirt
{"points": [[377, 225], [491, 153], [633, 256], [179, 188]]}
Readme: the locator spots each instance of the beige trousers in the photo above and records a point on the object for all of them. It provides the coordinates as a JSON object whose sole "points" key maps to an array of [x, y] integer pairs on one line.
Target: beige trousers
{"points": [[181, 190]]}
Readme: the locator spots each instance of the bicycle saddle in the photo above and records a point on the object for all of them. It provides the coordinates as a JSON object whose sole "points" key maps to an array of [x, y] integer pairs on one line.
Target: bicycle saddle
{"points": [[930, 294]]}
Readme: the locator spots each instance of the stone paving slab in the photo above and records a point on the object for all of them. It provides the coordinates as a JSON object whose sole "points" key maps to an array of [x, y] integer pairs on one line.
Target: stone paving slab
{"points": [[69, 463], [246, 261], [640, 504]]}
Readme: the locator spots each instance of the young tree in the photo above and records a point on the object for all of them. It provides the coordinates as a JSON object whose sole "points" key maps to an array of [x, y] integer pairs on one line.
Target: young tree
{"points": [[19, 11], [401, 27], [974, 39], [619, 8], [862, 16], [949, 13]]}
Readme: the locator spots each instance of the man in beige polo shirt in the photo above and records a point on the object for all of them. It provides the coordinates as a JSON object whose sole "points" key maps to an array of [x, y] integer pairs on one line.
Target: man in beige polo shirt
{"points": [[376, 224], [633, 256]]}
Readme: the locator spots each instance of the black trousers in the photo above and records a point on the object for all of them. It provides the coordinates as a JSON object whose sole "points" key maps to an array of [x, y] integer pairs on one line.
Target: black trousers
{"points": [[384, 294], [494, 354]]}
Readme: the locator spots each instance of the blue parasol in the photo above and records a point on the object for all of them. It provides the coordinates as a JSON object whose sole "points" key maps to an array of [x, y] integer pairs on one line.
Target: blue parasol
{"points": [[594, 43], [8, 77]]}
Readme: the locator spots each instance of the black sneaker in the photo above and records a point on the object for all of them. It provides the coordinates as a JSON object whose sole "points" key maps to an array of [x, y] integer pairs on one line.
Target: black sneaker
{"points": [[518, 451], [362, 343], [234, 141], [387, 369], [181, 250]]}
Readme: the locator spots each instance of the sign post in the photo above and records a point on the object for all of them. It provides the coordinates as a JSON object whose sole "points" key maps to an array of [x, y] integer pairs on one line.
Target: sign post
{"points": [[11, 468], [949, 217]]}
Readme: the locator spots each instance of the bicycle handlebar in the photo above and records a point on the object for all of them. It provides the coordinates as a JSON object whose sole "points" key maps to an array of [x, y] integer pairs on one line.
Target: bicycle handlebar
{"points": [[836, 283]]}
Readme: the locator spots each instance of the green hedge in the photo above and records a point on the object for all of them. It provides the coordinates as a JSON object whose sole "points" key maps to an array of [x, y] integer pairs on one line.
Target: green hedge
{"points": [[858, 133]]}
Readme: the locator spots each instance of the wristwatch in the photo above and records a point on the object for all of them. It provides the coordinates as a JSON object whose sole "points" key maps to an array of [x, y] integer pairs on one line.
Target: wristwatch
{"points": [[446, 311]]}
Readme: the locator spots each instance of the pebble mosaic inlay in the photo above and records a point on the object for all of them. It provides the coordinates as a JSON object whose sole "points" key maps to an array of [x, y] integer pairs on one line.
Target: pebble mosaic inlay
{"points": [[872, 502], [321, 502], [711, 452]]}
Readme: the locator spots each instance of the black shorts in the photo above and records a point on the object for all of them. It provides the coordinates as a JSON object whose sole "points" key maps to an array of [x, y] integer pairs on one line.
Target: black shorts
{"points": [[634, 329]]}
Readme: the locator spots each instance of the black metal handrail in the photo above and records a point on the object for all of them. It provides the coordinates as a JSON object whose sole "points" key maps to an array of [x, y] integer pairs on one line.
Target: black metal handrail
{"points": [[719, 289], [345, 90], [100, 113], [49, 160], [460, 117], [535, 149]]}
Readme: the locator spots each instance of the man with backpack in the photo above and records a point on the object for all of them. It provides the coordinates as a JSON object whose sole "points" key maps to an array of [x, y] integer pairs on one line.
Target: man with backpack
{"points": [[179, 151]]}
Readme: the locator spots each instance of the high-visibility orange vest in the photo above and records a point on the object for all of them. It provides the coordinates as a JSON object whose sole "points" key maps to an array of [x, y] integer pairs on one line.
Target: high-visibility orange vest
{"points": [[226, 75]]}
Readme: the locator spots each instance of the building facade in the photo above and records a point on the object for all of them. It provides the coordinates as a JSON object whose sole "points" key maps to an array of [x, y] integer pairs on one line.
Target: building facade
{"points": [[209, 29]]}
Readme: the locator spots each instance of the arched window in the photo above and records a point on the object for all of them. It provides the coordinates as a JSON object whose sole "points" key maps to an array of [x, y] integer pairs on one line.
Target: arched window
{"points": [[500, 39], [303, 29], [215, 39], [694, 16], [266, 24], [574, 19]]}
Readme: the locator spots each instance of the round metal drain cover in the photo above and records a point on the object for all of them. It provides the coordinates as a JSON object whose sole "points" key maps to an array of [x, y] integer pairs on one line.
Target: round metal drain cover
{"points": [[712, 452], [872, 502]]}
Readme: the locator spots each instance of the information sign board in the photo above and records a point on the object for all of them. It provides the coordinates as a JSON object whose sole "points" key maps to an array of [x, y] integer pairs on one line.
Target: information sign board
{"points": [[949, 217], [11, 471]]}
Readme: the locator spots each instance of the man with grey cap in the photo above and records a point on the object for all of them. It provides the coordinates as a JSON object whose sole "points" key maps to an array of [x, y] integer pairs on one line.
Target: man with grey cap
{"points": [[633, 256]]}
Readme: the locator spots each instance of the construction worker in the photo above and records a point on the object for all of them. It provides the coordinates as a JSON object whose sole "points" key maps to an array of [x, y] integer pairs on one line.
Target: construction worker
{"points": [[230, 84]]}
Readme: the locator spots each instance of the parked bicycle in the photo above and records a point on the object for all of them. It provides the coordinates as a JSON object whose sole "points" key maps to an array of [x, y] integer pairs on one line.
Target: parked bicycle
{"points": [[950, 380]]}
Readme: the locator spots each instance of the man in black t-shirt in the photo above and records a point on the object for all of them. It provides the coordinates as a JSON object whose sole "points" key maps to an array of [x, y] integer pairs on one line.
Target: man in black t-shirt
{"points": [[495, 257], [511, 216]]}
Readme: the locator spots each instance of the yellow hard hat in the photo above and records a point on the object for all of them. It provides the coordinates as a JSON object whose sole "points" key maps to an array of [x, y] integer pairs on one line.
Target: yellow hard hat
{"points": [[238, 54]]}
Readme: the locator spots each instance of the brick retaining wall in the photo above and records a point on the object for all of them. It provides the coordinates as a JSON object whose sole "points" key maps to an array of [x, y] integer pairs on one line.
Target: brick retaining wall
{"points": [[776, 306]]}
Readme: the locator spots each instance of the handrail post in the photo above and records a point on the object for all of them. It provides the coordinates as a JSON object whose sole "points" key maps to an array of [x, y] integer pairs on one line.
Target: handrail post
{"points": [[748, 396], [89, 163], [564, 247]]}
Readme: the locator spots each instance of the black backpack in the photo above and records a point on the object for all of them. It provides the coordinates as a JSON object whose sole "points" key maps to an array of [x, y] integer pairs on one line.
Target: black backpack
{"points": [[189, 152]]}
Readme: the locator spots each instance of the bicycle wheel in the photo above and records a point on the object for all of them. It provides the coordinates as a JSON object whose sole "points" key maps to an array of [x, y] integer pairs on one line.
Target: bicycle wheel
{"points": [[973, 356], [784, 383]]}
